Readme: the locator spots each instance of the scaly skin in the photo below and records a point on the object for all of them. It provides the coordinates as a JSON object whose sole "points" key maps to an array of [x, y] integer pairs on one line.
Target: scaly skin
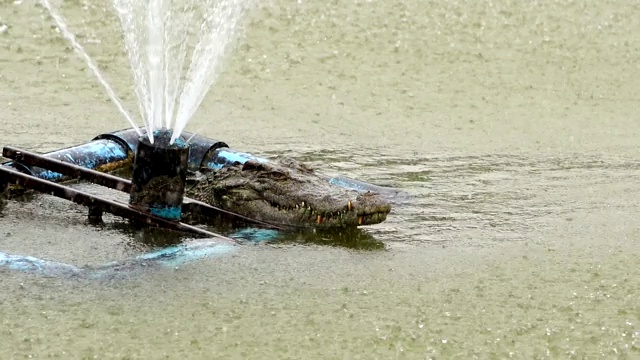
{"points": [[287, 192]]}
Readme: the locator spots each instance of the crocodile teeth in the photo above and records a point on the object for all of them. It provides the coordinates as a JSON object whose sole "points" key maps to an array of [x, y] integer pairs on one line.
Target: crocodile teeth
{"points": [[349, 205], [319, 219], [360, 218]]}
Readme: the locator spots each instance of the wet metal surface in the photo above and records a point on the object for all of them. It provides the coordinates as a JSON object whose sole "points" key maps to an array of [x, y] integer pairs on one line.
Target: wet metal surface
{"points": [[511, 127]]}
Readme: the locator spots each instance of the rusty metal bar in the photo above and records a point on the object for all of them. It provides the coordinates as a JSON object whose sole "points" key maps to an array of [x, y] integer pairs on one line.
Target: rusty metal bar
{"points": [[198, 207], [114, 182], [114, 207]]}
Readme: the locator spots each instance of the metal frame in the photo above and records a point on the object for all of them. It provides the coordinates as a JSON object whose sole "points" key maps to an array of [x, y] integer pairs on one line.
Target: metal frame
{"points": [[97, 205]]}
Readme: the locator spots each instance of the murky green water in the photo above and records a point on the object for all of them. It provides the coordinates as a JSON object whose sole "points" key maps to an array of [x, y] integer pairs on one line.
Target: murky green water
{"points": [[512, 125]]}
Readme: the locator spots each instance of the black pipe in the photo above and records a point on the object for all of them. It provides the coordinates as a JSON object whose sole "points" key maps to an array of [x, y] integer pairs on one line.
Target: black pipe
{"points": [[159, 175]]}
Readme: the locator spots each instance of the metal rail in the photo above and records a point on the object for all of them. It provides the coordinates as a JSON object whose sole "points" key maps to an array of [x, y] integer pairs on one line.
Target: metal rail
{"points": [[12, 176]]}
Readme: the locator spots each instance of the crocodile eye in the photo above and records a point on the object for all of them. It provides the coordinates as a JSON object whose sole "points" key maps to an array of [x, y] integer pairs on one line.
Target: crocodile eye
{"points": [[278, 175]]}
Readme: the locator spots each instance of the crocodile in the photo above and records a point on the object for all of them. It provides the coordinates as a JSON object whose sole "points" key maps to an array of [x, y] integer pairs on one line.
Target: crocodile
{"points": [[286, 192]]}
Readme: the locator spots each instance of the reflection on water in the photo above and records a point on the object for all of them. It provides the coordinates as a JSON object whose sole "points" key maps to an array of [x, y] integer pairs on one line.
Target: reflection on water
{"points": [[349, 238], [143, 237]]}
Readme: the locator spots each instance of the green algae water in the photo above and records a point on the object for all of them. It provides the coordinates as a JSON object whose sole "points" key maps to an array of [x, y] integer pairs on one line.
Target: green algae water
{"points": [[512, 127]]}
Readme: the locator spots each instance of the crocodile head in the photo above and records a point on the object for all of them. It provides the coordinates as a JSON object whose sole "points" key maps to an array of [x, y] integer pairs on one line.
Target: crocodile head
{"points": [[287, 192]]}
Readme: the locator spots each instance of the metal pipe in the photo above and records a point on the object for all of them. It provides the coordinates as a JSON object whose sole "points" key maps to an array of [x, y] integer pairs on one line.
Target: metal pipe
{"points": [[114, 151], [31, 159], [200, 147], [103, 155], [171, 256]]}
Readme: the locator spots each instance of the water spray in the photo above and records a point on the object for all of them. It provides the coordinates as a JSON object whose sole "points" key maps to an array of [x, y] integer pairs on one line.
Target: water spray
{"points": [[156, 38], [83, 54], [170, 81]]}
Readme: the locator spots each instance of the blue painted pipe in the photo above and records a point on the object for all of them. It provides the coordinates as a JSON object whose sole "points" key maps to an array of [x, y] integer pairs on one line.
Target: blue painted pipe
{"points": [[103, 155], [225, 157], [113, 151], [168, 257]]}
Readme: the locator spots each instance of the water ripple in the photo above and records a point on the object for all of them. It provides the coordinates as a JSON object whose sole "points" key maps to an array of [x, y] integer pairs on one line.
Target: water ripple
{"points": [[475, 200]]}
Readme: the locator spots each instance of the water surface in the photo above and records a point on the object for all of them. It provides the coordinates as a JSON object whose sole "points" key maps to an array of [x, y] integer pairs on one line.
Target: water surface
{"points": [[511, 126]]}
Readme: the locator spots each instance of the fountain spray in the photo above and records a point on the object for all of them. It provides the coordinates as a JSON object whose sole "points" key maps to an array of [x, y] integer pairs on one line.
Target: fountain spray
{"points": [[166, 102], [83, 54]]}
